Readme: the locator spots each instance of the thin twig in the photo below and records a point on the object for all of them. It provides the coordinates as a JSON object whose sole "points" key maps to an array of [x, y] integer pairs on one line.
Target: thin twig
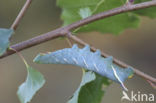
{"points": [[21, 14], [152, 84], [116, 61], [68, 40]]}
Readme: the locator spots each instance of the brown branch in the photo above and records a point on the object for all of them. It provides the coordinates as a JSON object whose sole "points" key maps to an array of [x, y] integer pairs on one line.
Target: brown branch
{"points": [[65, 30], [116, 61], [34, 41], [21, 14]]}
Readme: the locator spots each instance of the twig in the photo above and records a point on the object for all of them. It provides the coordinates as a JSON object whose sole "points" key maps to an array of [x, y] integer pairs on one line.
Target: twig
{"points": [[69, 42], [65, 30], [152, 84], [21, 14], [116, 61], [68, 39]]}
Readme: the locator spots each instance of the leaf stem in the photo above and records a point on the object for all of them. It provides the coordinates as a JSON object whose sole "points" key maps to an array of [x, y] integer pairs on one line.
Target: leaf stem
{"points": [[21, 56]]}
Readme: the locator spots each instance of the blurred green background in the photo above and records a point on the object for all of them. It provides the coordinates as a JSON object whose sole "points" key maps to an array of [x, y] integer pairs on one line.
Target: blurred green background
{"points": [[136, 47]]}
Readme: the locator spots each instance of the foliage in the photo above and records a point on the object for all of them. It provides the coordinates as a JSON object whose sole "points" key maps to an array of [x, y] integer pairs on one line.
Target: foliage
{"points": [[5, 35], [116, 24], [90, 89], [33, 83]]}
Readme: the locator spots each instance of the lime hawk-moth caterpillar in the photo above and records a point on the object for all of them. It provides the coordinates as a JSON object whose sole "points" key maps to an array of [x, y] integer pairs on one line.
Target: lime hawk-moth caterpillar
{"points": [[84, 58]]}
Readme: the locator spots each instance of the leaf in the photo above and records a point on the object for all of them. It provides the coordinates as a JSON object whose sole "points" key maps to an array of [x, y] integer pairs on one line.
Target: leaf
{"points": [[114, 24], [84, 58], [150, 12], [5, 35], [85, 12], [33, 83], [90, 89]]}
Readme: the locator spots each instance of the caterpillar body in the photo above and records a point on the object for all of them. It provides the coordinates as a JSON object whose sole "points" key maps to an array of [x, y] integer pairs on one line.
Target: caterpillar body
{"points": [[84, 58]]}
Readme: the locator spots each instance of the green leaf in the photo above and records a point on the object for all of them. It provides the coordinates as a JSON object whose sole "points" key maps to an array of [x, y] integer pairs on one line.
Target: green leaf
{"points": [[75, 10], [115, 24], [85, 12], [150, 12], [33, 83], [90, 89], [5, 35]]}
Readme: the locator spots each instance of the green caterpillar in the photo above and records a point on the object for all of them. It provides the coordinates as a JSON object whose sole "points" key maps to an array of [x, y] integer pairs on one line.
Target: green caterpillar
{"points": [[84, 58]]}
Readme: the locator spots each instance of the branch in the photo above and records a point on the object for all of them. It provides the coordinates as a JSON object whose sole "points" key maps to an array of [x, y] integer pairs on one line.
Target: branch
{"points": [[34, 41], [116, 61], [152, 84], [63, 31], [21, 14]]}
